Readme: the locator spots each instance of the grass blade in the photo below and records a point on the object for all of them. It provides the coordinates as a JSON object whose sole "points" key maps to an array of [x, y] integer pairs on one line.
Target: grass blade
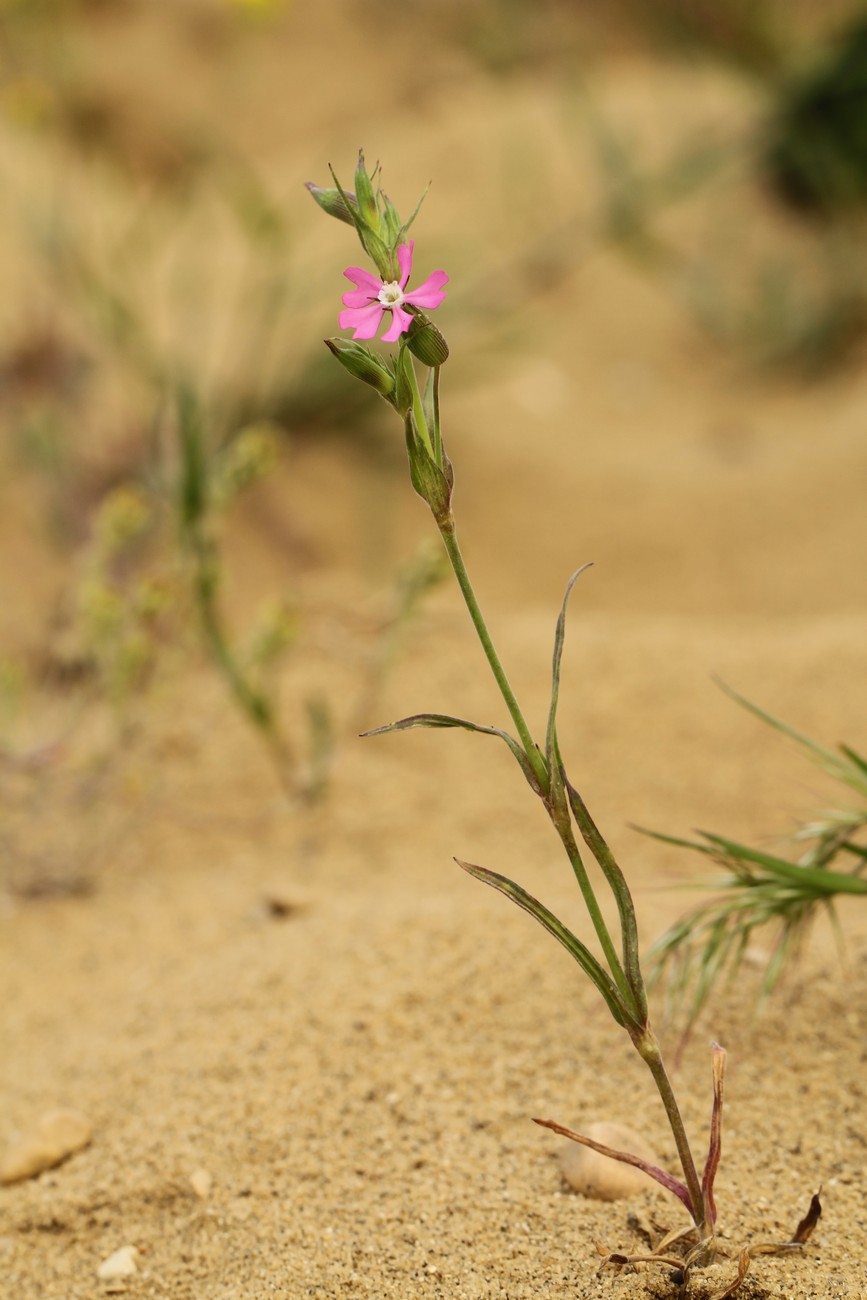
{"points": [[573, 945], [446, 720]]}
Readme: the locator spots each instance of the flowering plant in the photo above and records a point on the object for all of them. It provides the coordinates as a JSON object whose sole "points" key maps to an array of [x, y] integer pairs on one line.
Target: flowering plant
{"points": [[617, 974]]}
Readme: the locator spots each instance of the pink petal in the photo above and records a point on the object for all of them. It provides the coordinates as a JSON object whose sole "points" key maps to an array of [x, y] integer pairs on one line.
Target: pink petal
{"points": [[358, 298], [364, 320], [404, 261], [363, 279], [400, 323], [429, 294]]}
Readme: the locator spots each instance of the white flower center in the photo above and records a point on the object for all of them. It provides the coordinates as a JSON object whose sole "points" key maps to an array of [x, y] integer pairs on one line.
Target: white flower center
{"points": [[391, 295]]}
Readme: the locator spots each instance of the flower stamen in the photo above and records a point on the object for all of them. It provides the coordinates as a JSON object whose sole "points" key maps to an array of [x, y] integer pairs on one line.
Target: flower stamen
{"points": [[391, 294]]}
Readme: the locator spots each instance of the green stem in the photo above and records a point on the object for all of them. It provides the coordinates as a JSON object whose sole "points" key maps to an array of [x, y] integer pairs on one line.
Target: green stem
{"points": [[559, 814], [649, 1049], [645, 1043], [449, 536], [438, 442], [255, 705]]}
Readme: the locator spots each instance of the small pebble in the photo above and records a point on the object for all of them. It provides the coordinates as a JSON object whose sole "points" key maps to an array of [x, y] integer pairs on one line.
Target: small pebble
{"points": [[121, 1263], [600, 1177], [201, 1183], [57, 1135], [282, 903]]}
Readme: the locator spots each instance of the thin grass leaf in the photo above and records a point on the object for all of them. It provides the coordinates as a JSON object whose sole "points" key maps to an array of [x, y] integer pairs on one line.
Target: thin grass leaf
{"points": [[855, 759], [573, 945], [661, 1176], [711, 942], [630, 976], [406, 225], [610, 868], [559, 638], [446, 720], [677, 840], [807, 878], [850, 769]]}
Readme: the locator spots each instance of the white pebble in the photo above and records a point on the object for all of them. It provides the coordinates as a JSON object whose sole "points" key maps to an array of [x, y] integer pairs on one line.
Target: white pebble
{"points": [[201, 1183], [600, 1177], [121, 1263], [57, 1135]]}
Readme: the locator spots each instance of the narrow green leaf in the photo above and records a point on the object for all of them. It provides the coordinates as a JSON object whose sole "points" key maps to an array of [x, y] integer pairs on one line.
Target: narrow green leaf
{"points": [[854, 758], [406, 225], [576, 949], [677, 840], [428, 405], [827, 758], [610, 868], [559, 638], [816, 879], [446, 720]]}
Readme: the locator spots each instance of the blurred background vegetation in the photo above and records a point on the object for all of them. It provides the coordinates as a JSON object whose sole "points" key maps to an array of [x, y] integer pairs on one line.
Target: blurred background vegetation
{"points": [[157, 247]]}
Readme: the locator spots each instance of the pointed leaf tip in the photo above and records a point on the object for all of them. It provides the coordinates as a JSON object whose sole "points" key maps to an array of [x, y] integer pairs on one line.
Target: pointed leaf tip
{"points": [[805, 1228]]}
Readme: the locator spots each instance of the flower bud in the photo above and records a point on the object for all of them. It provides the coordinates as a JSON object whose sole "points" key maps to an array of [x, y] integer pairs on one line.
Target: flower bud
{"points": [[424, 339], [363, 364], [332, 202], [394, 229], [366, 197], [432, 483], [379, 253], [403, 382]]}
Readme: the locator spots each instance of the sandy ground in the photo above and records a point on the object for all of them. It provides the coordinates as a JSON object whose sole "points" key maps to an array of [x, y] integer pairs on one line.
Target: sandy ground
{"points": [[314, 1005]]}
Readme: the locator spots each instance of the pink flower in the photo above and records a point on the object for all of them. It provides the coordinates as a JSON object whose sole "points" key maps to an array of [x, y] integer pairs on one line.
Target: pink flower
{"points": [[371, 297]]}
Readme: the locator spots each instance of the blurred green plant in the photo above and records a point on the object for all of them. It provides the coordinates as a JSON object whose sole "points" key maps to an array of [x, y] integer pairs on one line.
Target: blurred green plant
{"points": [[150, 583], [816, 149], [206, 486], [763, 891], [749, 35]]}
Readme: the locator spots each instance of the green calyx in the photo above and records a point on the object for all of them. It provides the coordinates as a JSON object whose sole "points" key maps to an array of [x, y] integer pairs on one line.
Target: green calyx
{"points": [[424, 340], [340, 204], [364, 365]]}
